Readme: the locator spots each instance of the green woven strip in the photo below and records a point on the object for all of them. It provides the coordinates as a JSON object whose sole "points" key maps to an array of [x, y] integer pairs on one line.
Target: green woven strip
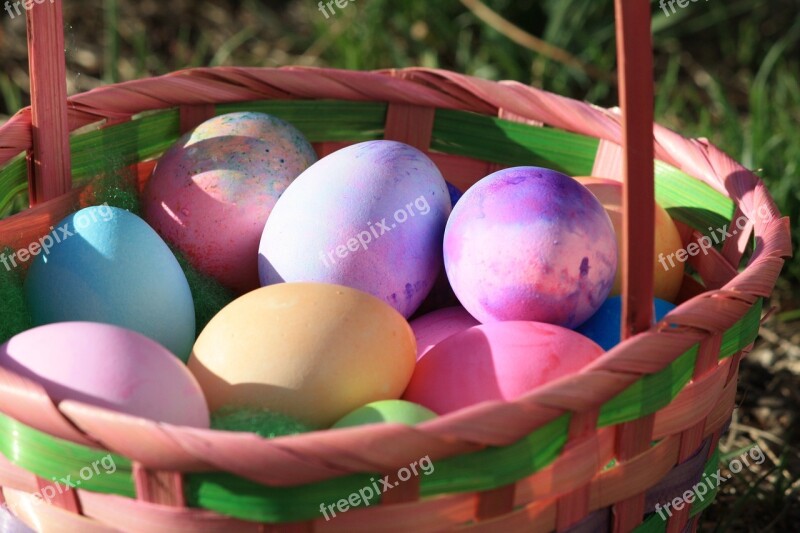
{"points": [[651, 393], [455, 132], [483, 470], [691, 201], [495, 467], [322, 120], [13, 186], [49, 457], [110, 149], [512, 143]]}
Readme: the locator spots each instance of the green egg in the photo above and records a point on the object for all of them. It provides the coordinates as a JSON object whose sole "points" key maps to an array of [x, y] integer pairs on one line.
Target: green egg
{"points": [[386, 411]]}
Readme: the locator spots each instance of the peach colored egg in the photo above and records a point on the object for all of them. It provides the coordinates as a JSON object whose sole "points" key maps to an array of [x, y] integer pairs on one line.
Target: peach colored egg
{"points": [[108, 366], [668, 278], [496, 361], [313, 351], [434, 327], [211, 193]]}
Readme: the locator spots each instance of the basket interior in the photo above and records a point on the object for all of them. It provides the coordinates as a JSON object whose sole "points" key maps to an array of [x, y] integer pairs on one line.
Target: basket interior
{"points": [[466, 146]]}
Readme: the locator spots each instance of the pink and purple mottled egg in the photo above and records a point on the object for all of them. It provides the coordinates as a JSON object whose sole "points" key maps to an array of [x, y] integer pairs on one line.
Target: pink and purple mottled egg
{"points": [[370, 216], [211, 193], [529, 243]]}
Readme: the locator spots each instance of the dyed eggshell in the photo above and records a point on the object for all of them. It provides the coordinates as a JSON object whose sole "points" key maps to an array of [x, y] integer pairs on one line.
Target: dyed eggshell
{"points": [[387, 411], [667, 278], [211, 193], [455, 193], [604, 327], [370, 216], [115, 269], [434, 327], [312, 351], [497, 361], [108, 366], [529, 243]]}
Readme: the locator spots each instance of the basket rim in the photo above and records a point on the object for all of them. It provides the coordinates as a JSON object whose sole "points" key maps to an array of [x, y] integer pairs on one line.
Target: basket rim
{"points": [[698, 319]]}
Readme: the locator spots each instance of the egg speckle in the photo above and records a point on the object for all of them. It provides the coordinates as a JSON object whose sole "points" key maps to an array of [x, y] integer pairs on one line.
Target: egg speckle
{"points": [[220, 180]]}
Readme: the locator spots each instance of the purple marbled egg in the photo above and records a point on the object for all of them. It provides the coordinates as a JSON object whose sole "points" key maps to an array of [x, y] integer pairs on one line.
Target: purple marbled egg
{"points": [[530, 243], [370, 216]]}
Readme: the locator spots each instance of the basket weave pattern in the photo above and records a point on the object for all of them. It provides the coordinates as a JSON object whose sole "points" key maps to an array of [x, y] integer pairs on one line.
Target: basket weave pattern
{"points": [[575, 490]]}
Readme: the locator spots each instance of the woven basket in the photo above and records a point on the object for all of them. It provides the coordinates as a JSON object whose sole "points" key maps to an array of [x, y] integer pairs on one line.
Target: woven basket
{"points": [[596, 451]]}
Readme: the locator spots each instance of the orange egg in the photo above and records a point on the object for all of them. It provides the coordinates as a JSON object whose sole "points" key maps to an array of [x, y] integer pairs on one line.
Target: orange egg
{"points": [[313, 351], [667, 282]]}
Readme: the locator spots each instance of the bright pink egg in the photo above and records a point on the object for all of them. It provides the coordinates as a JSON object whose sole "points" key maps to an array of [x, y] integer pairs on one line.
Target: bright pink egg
{"points": [[529, 243], [434, 327], [212, 192], [108, 366], [497, 361]]}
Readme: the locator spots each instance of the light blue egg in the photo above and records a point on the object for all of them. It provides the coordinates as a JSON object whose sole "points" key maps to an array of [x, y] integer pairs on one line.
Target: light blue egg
{"points": [[604, 326], [104, 264]]}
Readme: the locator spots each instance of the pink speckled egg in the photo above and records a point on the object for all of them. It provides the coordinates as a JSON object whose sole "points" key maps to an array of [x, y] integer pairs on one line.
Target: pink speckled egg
{"points": [[108, 366], [528, 243], [434, 327], [211, 193], [498, 361]]}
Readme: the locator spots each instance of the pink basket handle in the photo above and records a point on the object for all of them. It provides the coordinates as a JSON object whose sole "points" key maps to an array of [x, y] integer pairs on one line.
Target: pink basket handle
{"points": [[635, 67], [49, 164]]}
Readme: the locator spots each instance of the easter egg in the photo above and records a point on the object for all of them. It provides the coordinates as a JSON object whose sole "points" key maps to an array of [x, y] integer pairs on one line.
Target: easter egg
{"points": [[434, 327], [604, 327], [312, 351], [370, 216], [107, 366], [667, 278], [104, 264], [496, 361], [267, 424], [455, 193], [211, 193], [386, 411], [9, 523], [529, 243]]}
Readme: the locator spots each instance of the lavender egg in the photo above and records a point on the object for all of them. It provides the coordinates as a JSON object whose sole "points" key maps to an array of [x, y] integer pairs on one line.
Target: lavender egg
{"points": [[529, 243], [370, 216]]}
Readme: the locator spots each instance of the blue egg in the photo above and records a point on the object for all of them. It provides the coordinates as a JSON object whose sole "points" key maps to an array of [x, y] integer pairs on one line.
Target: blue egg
{"points": [[604, 326], [455, 194], [104, 264]]}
